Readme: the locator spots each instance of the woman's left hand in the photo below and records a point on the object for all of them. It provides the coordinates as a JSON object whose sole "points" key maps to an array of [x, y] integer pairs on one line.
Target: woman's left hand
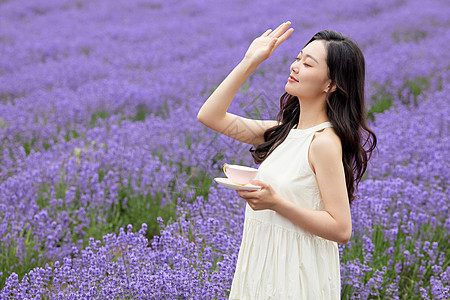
{"points": [[264, 198]]}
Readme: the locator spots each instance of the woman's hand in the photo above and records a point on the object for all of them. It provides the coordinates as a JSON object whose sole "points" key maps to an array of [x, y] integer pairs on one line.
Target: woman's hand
{"points": [[262, 47], [265, 198]]}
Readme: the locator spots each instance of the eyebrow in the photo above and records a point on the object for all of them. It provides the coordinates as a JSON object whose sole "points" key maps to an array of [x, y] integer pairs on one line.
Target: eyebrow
{"points": [[310, 56]]}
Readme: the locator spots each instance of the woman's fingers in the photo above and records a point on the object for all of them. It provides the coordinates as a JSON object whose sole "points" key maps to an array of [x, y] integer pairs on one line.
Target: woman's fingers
{"points": [[263, 46], [281, 28], [276, 29], [284, 36], [266, 33]]}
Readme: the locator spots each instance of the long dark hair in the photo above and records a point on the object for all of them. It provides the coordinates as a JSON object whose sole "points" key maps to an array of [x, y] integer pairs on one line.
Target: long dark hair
{"points": [[345, 110]]}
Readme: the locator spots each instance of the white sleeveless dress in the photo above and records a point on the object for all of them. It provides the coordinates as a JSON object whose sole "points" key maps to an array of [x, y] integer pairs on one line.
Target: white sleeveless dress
{"points": [[278, 259]]}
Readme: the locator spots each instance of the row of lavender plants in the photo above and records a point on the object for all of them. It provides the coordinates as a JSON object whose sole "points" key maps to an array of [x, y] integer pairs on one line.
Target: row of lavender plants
{"points": [[99, 130], [399, 248]]}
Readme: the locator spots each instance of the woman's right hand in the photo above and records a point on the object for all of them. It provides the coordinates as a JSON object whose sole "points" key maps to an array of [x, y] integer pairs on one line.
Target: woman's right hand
{"points": [[262, 47]]}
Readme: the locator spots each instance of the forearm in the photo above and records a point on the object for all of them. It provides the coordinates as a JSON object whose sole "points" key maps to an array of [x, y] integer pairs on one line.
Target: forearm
{"points": [[318, 222], [217, 104]]}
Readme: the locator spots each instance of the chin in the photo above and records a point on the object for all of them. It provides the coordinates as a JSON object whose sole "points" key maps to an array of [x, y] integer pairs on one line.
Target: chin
{"points": [[289, 90]]}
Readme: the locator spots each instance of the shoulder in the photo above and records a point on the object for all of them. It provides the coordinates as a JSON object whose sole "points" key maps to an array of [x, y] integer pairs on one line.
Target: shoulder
{"points": [[326, 147]]}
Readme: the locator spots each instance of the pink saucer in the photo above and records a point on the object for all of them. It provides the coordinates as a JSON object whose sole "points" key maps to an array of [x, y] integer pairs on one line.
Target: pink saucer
{"points": [[230, 185]]}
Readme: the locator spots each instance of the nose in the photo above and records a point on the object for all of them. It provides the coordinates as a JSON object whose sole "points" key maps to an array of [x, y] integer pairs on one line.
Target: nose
{"points": [[294, 68]]}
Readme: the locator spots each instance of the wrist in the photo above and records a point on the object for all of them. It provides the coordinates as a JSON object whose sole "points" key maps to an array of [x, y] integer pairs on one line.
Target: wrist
{"points": [[249, 64], [280, 204]]}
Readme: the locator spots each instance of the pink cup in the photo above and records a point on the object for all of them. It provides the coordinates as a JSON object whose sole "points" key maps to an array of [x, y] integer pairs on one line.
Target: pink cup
{"points": [[239, 174]]}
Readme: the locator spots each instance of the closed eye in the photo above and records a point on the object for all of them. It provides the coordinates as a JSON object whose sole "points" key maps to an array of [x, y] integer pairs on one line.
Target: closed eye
{"points": [[297, 59]]}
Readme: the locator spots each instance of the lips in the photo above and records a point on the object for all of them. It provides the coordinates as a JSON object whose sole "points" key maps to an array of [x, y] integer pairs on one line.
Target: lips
{"points": [[293, 78]]}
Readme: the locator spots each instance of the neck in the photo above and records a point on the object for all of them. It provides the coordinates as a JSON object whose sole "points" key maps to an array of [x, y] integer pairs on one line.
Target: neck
{"points": [[312, 113]]}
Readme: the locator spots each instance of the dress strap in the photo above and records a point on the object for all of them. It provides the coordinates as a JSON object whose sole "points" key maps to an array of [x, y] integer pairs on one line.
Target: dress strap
{"points": [[314, 128], [322, 126]]}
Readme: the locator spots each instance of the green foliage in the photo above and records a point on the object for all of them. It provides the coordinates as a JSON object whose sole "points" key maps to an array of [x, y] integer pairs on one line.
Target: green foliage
{"points": [[210, 91], [256, 112], [188, 141], [410, 273], [140, 113], [200, 182], [134, 208], [27, 147], [245, 87], [287, 60], [101, 114], [417, 86], [408, 36], [216, 158], [72, 134], [86, 51], [380, 106], [3, 123], [8, 256], [383, 100], [164, 112]]}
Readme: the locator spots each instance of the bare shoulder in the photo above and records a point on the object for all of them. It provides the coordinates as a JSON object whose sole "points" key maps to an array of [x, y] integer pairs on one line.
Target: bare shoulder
{"points": [[326, 147], [326, 138]]}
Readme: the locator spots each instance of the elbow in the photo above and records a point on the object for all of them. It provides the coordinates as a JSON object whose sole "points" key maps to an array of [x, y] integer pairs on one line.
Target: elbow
{"points": [[199, 115], [203, 118], [200, 118], [344, 241], [345, 236]]}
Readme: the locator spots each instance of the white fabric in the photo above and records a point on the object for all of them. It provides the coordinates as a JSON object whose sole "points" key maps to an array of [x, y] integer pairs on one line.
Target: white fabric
{"points": [[278, 259]]}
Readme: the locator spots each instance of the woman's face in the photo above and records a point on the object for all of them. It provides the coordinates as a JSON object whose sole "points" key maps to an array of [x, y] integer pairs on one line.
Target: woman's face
{"points": [[310, 72]]}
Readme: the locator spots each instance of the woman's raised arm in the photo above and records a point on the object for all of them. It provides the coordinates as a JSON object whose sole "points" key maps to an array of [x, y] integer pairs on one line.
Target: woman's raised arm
{"points": [[214, 113]]}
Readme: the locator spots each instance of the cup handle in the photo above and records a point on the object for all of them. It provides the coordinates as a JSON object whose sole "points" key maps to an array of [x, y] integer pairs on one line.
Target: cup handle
{"points": [[224, 169]]}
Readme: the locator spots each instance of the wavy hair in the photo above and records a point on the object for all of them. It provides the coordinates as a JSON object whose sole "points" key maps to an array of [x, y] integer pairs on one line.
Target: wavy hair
{"points": [[345, 110]]}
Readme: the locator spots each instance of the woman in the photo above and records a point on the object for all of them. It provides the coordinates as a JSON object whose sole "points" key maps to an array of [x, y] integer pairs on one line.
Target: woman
{"points": [[312, 158]]}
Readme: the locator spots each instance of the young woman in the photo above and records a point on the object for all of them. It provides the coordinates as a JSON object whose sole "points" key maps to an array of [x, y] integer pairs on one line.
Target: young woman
{"points": [[311, 158]]}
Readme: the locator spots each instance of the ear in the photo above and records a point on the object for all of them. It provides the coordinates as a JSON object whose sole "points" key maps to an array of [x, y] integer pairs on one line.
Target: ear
{"points": [[333, 87]]}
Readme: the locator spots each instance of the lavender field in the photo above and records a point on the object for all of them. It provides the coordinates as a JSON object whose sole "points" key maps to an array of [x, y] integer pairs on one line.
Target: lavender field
{"points": [[106, 175]]}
